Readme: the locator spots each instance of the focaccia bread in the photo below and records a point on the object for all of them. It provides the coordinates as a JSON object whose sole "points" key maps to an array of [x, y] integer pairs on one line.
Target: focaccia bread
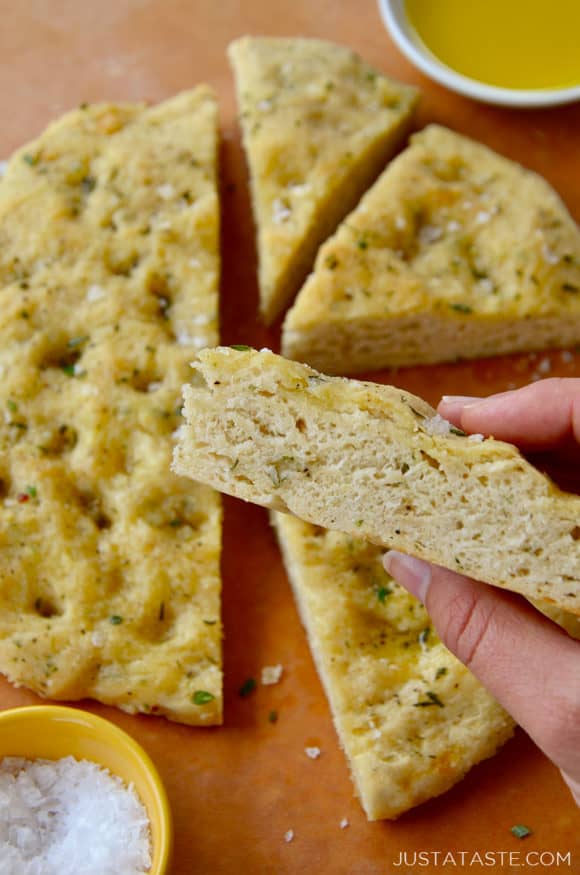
{"points": [[318, 126], [378, 463], [412, 720], [109, 565], [456, 252]]}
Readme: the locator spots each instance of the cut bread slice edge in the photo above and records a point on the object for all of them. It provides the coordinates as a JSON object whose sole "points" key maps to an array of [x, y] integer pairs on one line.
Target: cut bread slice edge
{"points": [[376, 462]]}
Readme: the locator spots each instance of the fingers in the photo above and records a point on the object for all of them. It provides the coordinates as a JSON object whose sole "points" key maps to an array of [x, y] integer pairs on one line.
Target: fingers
{"points": [[543, 415], [528, 663]]}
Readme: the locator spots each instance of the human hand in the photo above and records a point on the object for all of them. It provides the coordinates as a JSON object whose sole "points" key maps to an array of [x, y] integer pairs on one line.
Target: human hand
{"points": [[528, 663]]}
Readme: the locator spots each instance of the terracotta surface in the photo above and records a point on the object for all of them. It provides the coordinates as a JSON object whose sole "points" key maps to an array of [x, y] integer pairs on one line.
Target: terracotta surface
{"points": [[236, 790]]}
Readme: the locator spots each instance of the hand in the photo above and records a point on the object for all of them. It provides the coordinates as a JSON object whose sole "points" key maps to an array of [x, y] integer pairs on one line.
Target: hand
{"points": [[528, 663]]}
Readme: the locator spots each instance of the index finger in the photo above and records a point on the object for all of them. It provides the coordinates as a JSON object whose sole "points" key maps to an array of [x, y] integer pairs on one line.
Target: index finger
{"points": [[544, 415]]}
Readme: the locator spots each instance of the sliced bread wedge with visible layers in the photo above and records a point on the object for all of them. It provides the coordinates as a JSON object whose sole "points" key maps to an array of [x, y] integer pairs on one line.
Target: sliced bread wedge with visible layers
{"points": [[412, 720], [318, 125], [378, 463], [456, 252]]}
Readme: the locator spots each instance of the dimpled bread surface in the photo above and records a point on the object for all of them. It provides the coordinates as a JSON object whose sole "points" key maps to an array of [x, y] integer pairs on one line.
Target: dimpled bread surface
{"points": [[412, 720], [109, 564], [456, 252], [318, 126], [376, 462]]}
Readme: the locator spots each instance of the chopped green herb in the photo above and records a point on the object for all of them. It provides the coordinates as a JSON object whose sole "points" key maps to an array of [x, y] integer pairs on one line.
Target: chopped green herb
{"points": [[363, 244], [359, 523], [234, 465], [210, 622], [88, 184], [247, 687], [29, 159], [440, 672], [520, 831], [382, 593], [241, 347], [12, 406], [331, 261], [458, 431], [404, 468], [432, 699], [68, 369], [273, 717], [32, 491], [202, 697], [115, 620], [175, 523], [461, 308]]}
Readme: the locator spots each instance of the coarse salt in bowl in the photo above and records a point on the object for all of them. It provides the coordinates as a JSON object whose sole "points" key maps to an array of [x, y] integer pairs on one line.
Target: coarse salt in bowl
{"points": [[53, 732]]}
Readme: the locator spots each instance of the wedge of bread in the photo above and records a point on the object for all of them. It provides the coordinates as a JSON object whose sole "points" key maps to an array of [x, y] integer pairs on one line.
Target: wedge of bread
{"points": [[318, 125], [455, 252], [109, 565], [412, 720], [375, 462]]}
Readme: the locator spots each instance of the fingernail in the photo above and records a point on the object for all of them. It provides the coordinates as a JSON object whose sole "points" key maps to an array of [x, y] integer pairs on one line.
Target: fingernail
{"points": [[451, 406], [410, 572]]}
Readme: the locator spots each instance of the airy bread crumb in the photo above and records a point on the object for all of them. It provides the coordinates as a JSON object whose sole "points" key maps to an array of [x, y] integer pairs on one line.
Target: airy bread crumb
{"points": [[357, 457]]}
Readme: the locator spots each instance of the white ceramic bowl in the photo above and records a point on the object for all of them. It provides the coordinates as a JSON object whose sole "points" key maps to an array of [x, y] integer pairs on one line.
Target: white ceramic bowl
{"points": [[395, 19]]}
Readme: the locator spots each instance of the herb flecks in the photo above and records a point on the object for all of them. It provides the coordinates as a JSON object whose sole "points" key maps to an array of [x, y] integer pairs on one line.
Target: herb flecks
{"points": [[202, 697], [115, 620], [457, 431], [382, 593], [273, 717], [461, 308], [520, 831], [240, 347], [432, 699], [247, 687]]}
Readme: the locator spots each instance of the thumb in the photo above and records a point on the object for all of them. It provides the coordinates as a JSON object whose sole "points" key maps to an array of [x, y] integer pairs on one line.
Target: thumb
{"points": [[528, 663]]}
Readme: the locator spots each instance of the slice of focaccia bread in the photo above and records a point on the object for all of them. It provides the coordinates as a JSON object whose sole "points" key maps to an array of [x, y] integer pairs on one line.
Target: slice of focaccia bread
{"points": [[412, 720], [318, 125], [378, 463], [456, 252], [109, 565]]}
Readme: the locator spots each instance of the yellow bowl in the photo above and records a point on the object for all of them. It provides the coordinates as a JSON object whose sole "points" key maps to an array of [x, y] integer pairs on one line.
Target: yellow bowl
{"points": [[53, 731]]}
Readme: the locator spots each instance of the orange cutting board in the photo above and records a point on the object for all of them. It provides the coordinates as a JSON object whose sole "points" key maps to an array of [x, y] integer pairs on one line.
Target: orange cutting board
{"points": [[236, 790]]}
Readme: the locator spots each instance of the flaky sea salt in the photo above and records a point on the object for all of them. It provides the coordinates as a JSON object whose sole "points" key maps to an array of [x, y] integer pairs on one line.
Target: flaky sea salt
{"points": [[95, 293], [289, 835], [437, 425], [166, 191], [66, 817], [344, 823], [271, 674], [312, 752], [280, 212]]}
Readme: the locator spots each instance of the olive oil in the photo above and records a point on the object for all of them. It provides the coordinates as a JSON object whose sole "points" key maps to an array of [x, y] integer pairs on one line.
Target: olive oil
{"points": [[521, 44]]}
